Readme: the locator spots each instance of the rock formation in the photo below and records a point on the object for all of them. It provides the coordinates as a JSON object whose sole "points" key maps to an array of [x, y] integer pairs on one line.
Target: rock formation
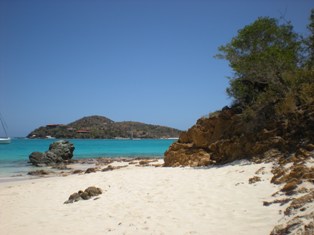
{"points": [[295, 175], [227, 136], [59, 152], [39, 173], [84, 195]]}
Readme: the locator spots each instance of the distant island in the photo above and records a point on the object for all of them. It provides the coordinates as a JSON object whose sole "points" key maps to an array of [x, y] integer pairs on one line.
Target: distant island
{"points": [[99, 127]]}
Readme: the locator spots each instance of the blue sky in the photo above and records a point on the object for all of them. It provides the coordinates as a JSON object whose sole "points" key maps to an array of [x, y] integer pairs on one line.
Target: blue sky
{"points": [[141, 60]]}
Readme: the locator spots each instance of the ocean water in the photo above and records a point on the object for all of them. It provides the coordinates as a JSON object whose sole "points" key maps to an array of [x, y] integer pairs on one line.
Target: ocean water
{"points": [[14, 156]]}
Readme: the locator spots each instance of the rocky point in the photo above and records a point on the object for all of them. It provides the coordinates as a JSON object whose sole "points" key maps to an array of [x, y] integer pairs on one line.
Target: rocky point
{"points": [[59, 152], [227, 136]]}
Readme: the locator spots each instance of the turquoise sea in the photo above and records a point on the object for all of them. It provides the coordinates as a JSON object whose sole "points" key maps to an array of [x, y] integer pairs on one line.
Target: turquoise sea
{"points": [[14, 156]]}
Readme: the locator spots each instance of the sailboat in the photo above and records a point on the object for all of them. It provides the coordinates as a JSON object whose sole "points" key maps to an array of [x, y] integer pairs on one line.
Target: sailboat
{"points": [[6, 139]]}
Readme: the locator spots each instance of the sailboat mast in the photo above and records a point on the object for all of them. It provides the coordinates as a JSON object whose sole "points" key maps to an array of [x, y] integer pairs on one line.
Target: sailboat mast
{"points": [[3, 126]]}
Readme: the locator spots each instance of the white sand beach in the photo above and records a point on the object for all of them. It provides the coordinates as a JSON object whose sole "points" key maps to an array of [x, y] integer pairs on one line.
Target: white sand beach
{"points": [[144, 200]]}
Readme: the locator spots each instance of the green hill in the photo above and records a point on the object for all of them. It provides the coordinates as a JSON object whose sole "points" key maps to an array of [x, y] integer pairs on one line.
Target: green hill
{"points": [[99, 127]]}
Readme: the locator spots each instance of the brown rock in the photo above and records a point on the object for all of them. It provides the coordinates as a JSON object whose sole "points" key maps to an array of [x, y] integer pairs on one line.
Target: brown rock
{"points": [[91, 170], [111, 168], [39, 173], [287, 229], [108, 168], [279, 174], [184, 138], [93, 191], [294, 174], [84, 195], [254, 179], [186, 156], [77, 171], [228, 136], [301, 225], [73, 198], [290, 186], [280, 201], [300, 202], [260, 171], [309, 229]]}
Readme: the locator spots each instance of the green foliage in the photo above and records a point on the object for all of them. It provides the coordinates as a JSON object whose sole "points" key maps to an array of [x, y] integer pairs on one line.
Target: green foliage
{"points": [[305, 86], [309, 42], [259, 55], [273, 71], [286, 105]]}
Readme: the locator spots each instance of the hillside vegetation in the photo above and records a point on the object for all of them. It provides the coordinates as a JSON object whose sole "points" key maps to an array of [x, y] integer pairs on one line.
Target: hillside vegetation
{"points": [[98, 127]]}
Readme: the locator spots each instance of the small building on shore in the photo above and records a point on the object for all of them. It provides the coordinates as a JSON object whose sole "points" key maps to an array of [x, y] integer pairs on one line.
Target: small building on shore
{"points": [[83, 131]]}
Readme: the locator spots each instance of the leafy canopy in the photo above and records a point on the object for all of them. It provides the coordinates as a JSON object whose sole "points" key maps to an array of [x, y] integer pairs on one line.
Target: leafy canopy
{"points": [[259, 55], [309, 42]]}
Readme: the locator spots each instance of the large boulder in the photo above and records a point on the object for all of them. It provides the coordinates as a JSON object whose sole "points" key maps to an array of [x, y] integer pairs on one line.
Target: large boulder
{"points": [[63, 149], [59, 152]]}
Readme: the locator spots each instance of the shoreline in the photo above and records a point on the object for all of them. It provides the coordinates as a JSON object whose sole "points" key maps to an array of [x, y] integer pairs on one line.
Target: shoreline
{"points": [[76, 165], [21, 171]]}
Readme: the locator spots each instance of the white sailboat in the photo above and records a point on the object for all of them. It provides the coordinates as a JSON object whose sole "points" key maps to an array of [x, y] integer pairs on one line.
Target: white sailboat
{"points": [[5, 139]]}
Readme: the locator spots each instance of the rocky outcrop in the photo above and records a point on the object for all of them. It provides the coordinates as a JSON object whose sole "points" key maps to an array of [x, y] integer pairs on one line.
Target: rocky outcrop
{"points": [[299, 217], [302, 225], [295, 174], [63, 149], [59, 152], [230, 135]]}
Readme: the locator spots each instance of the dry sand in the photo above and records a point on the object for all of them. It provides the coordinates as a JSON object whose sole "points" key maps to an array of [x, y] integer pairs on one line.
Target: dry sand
{"points": [[144, 200]]}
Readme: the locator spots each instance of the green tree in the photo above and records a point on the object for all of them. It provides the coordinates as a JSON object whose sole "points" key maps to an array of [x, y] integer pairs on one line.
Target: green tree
{"points": [[309, 48], [260, 55]]}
